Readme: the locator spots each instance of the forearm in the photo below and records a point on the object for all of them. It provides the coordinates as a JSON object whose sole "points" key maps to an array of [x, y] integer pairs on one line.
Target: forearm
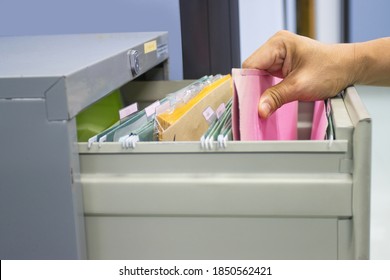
{"points": [[372, 62], [312, 70]]}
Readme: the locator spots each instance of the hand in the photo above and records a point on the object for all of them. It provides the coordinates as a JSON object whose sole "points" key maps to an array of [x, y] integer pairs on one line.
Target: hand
{"points": [[311, 70]]}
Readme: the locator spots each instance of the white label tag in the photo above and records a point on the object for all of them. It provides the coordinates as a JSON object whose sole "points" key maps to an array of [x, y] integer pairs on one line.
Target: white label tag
{"points": [[179, 95], [220, 110], [127, 111], [209, 115], [162, 50], [162, 108], [151, 109]]}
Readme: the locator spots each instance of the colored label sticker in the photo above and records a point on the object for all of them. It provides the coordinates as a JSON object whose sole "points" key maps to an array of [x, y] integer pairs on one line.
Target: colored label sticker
{"points": [[150, 46], [209, 114]]}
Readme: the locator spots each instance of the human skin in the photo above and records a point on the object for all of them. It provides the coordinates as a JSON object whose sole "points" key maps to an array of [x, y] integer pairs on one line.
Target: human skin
{"points": [[312, 70]]}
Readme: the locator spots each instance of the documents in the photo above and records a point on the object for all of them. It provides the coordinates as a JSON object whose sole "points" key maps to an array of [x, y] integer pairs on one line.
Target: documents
{"points": [[190, 121], [248, 85], [215, 109]]}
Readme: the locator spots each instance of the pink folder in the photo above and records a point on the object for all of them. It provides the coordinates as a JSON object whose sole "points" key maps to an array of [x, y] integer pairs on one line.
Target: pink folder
{"points": [[248, 85]]}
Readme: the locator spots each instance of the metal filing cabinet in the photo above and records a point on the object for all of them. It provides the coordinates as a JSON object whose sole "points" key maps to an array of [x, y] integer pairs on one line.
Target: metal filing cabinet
{"points": [[45, 81], [170, 200]]}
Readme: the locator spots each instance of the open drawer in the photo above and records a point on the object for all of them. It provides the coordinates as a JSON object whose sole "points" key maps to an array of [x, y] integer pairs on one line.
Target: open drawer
{"points": [[250, 200]]}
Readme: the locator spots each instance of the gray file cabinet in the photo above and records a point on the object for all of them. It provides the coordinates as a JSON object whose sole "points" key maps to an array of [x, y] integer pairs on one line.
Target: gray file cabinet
{"points": [[45, 81], [251, 200]]}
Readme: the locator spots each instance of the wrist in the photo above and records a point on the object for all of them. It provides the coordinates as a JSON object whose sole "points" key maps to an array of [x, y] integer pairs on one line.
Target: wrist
{"points": [[351, 64], [359, 64]]}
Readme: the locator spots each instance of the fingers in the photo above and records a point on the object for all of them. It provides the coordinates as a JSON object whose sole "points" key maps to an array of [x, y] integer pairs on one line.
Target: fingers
{"points": [[269, 57], [310, 70], [274, 97], [262, 59], [301, 62]]}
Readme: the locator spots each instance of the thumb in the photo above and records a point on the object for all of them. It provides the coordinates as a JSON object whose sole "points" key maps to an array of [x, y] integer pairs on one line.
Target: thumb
{"points": [[274, 97]]}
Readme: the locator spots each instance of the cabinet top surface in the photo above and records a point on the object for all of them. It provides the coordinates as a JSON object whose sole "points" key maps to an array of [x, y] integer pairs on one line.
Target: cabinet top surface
{"points": [[60, 55]]}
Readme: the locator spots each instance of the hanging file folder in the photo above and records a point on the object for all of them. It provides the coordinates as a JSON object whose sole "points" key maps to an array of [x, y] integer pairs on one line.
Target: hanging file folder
{"points": [[248, 85], [189, 122]]}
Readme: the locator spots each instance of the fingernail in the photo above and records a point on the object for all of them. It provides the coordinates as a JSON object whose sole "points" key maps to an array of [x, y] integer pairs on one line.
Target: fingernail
{"points": [[265, 109]]}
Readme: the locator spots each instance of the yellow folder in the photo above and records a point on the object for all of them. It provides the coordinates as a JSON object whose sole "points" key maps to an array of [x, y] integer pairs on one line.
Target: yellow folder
{"points": [[188, 123]]}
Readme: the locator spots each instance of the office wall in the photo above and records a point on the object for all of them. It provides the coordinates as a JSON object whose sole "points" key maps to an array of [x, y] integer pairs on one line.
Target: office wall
{"points": [[369, 19], [328, 21], [26, 17], [259, 20]]}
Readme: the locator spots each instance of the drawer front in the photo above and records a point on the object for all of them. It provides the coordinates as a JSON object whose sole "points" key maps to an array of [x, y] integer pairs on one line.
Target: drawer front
{"points": [[145, 237], [182, 195], [316, 195]]}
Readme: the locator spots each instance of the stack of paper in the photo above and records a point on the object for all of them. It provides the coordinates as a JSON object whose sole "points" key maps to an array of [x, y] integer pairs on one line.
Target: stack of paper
{"points": [[190, 121]]}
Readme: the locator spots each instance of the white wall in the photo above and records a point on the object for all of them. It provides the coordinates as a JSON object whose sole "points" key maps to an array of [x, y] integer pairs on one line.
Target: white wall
{"points": [[37, 17], [369, 19], [291, 15], [328, 21], [259, 20]]}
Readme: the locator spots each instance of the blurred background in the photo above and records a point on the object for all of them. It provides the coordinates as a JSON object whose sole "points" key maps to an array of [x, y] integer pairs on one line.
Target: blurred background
{"points": [[212, 36]]}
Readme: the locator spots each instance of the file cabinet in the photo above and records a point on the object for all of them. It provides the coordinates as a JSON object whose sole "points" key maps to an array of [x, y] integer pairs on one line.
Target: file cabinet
{"points": [[45, 82], [251, 200], [174, 200]]}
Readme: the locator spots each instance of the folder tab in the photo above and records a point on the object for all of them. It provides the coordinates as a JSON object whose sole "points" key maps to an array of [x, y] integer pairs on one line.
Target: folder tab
{"points": [[187, 122]]}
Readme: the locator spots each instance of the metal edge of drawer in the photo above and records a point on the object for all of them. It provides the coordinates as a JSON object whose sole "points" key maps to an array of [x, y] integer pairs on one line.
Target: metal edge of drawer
{"points": [[361, 172], [308, 195], [304, 146]]}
